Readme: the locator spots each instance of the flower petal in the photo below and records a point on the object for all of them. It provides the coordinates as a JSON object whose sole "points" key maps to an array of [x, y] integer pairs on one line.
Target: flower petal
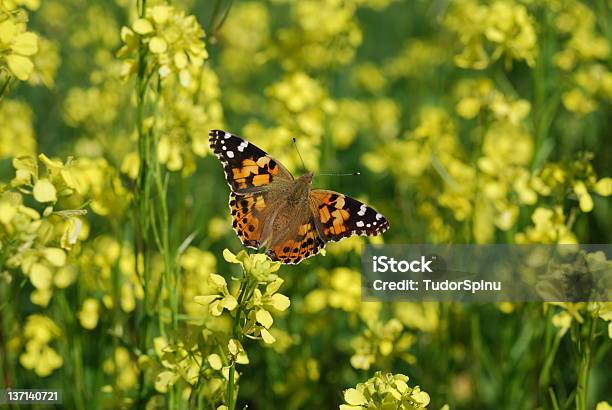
{"points": [[264, 318], [354, 397], [26, 44], [21, 66], [44, 191], [158, 45], [142, 26]]}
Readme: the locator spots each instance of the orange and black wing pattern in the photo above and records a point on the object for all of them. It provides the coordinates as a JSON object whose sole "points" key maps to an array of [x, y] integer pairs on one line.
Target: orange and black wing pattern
{"points": [[339, 216], [247, 167]]}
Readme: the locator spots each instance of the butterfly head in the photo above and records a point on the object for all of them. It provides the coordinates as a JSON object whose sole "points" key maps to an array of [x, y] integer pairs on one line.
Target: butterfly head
{"points": [[306, 179], [301, 188]]}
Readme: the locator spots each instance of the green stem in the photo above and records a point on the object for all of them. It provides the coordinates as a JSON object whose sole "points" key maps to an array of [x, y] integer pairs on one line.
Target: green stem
{"points": [[550, 358], [244, 293], [143, 203], [585, 367], [5, 87]]}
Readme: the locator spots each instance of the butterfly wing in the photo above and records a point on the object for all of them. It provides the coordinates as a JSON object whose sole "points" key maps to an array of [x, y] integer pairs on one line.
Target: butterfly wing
{"points": [[248, 212], [247, 167], [339, 216], [297, 247], [332, 216], [252, 175]]}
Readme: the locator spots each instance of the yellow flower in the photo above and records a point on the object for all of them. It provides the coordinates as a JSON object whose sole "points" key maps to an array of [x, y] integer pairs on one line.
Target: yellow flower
{"points": [[219, 301], [89, 313], [262, 303], [324, 33], [46, 62], [259, 265], [174, 39], [549, 227], [237, 352], [577, 101], [44, 191], [385, 391], [17, 47], [505, 26], [16, 133], [39, 356], [13, 4]]}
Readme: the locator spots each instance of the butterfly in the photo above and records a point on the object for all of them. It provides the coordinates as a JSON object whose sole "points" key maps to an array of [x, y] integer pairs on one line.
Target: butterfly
{"points": [[272, 209]]}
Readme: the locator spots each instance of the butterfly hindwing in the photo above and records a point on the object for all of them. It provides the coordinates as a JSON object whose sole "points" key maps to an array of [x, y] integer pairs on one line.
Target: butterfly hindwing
{"points": [[246, 166], [339, 216], [304, 244], [247, 219]]}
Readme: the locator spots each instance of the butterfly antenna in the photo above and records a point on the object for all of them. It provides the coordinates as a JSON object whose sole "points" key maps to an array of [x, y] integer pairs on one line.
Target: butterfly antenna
{"points": [[298, 152], [341, 175]]}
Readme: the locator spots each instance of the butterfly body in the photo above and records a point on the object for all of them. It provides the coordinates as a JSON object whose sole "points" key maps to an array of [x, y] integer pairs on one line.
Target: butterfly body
{"points": [[272, 209]]}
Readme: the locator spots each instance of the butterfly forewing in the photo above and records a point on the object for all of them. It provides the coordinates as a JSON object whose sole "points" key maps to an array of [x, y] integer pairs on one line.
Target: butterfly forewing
{"points": [[247, 167]]}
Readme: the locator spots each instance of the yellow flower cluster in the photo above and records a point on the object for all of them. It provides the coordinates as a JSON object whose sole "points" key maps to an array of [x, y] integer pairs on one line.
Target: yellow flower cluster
{"points": [[381, 342], [124, 370], [339, 289], [258, 303], [583, 57], [189, 112], [491, 31], [107, 269], [246, 35], [46, 63], [39, 356], [173, 38], [197, 265], [325, 34], [178, 362], [385, 391], [16, 119], [37, 243], [17, 44], [301, 107]]}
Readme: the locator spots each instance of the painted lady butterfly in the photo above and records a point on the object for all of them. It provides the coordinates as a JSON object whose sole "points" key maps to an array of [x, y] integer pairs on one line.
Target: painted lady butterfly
{"points": [[272, 209]]}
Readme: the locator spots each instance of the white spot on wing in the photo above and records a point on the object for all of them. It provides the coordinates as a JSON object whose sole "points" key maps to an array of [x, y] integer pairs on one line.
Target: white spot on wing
{"points": [[242, 146], [359, 224], [378, 216], [230, 154], [362, 210]]}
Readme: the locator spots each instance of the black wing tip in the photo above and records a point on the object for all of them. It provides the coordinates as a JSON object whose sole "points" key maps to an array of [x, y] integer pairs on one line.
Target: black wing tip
{"points": [[216, 133], [383, 227]]}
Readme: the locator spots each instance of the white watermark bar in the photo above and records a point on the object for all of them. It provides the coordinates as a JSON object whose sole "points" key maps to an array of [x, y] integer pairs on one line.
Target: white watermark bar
{"points": [[487, 273], [30, 396]]}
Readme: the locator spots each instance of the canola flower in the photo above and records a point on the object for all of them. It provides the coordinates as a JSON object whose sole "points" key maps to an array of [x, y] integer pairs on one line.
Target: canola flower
{"points": [[17, 45], [385, 391], [37, 243], [174, 39]]}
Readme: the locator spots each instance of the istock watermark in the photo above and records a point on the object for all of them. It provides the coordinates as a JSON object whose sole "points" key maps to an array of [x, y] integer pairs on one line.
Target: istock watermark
{"points": [[385, 264], [487, 273]]}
